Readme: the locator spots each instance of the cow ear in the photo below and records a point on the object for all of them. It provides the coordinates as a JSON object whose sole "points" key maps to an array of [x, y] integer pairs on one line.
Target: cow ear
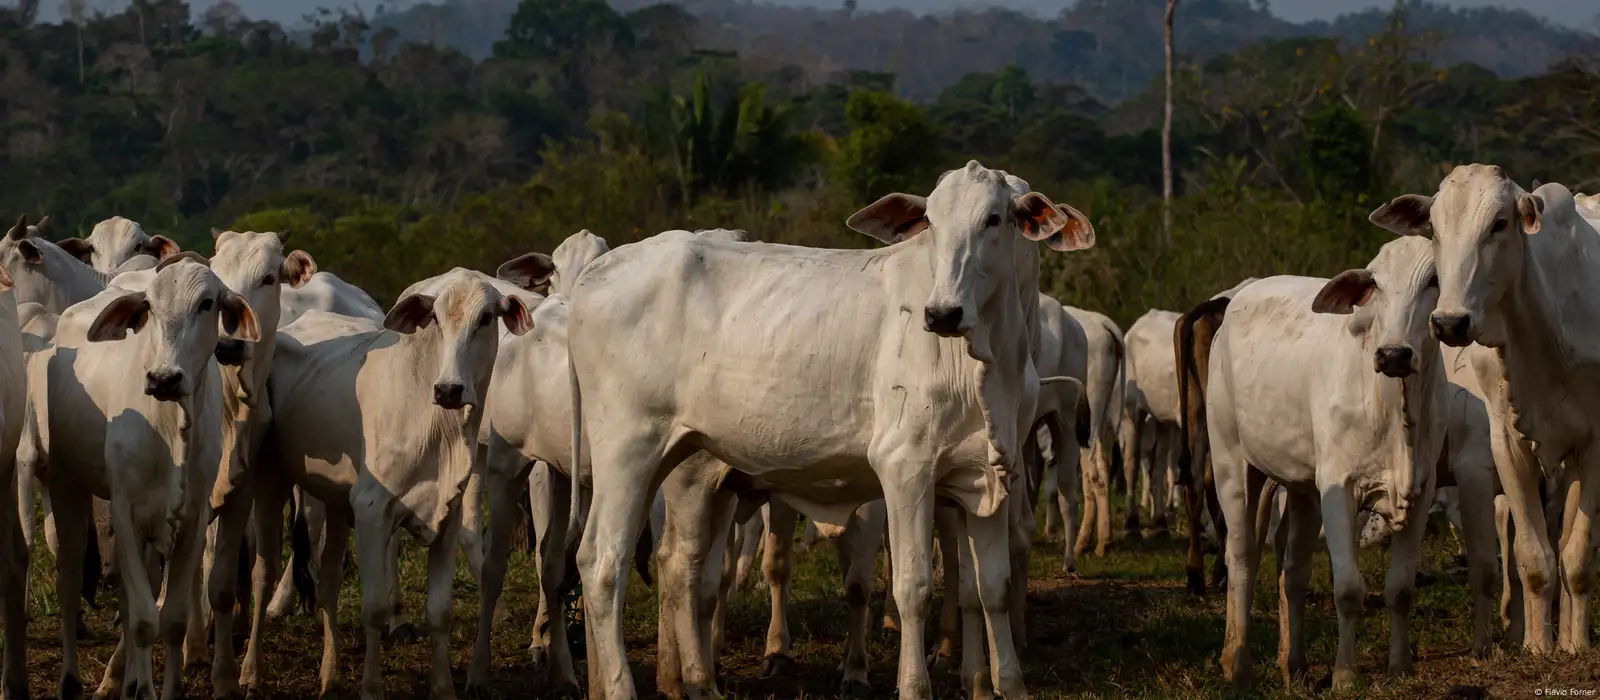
{"points": [[30, 251], [237, 319], [77, 248], [161, 247], [530, 271], [1076, 233], [515, 315], [216, 233], [1406, 215], [180, 257], [1037, 217], [298, 268], [1530, 209], [892, 218], [1344, 292], [125, 313], [410, 314]]}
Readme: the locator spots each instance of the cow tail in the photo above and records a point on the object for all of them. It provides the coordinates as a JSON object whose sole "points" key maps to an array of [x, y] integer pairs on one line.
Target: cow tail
{"points": [[1191, 417], [574, 533], [641, 554], [300, 552], [1113, 413]]}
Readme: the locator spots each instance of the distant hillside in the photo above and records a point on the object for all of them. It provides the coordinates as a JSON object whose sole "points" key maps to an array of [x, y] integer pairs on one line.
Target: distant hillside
{"points": [[1110, 47]]}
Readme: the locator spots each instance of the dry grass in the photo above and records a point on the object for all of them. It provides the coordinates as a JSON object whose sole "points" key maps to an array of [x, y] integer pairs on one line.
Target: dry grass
{"points": [[1124, 629]]}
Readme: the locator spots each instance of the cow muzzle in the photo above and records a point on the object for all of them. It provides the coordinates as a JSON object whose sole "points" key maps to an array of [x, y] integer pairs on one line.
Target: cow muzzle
{"points": [[232, 352], [1394, 361], [942, 320], [1453, 329], [164, 384], [449, 396]]}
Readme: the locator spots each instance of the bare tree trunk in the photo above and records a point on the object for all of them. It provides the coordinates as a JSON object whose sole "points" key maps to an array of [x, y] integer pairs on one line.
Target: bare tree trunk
{"points": [[1166, 138], [79, 25]]}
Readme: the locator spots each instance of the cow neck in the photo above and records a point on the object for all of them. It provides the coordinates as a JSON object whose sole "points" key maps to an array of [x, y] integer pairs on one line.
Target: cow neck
{"points": [[1004, 346], [1533, 344]]}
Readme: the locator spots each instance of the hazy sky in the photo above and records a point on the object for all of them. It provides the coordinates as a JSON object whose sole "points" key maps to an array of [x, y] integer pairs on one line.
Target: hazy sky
{"points": [[1575, 13]]}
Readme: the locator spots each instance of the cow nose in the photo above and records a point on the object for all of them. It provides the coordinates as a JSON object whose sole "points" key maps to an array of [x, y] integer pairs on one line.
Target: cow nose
{"points": [[164, 385], [232, 352], [448, 395], [1451, 329], [943, 320], [1393, 361]]}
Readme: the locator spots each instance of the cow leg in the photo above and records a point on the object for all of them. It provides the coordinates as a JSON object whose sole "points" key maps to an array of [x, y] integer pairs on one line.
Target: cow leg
{"points": [[1577, 552], [1194, 561], [183, 574], [672, 578], [625, 467], [909, 503], [1294, 579], [891, 614], [1160, 481], [1511, 612], [709, 587], [720, 582], [1052, 515], [222, 588], [1239, 489], [858, 559], [1132, 464], [950, 526], [270, 495], [399, 625], [1020, 524], [375, 535], [778, 658], [1400, 588], [1067, 471], [441, 577], [14, 604], [975, 678], [196, 651], [541, 501], [502, 468], [552, 572], [75, 505], [139, 615], [336, 543], [749, 545], [1522, 479], [1349, 591], [1475, 494], [986, 537]]}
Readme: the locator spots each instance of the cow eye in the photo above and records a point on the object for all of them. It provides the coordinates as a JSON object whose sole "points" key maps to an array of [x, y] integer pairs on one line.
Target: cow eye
{"points": [[1499, 225], [268, 281], [205, 305], [1433, 282], [485, 319], [992, 221]]}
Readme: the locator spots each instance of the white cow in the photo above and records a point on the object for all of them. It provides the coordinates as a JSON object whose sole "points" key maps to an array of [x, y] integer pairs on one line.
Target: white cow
{"points": [[873, 407], [386, 420], [1517, 277], [1103, 385], [1292, 393], [114, 242], [1153, 429], [327, 292], [142, 423], [13, 550]]}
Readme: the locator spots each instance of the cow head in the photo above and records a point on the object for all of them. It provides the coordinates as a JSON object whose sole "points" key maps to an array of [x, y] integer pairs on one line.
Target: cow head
{"points": [[461, 306], [1391, 300], [972, 218], [1477, 221], [254, 266], [185, 309], [116, 241], [42, 272]]}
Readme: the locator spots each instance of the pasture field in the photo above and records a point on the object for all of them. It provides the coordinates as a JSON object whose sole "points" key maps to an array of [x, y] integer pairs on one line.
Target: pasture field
{"points": [[1123, 628]]}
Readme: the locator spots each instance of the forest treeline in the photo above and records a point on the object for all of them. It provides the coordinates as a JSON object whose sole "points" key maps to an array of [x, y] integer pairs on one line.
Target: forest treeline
{"points": [[394, 160]]}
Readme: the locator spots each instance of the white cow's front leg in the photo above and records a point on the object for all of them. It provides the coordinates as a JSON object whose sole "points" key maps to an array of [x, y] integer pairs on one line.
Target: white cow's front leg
{"points": [[222, 588], [182, 577], [909, 504], [1476, 495], [374, 532], [441, 575], [951, 528], [1522, 479], [1349, 591], [1299, 543], [624, 467], [1400, 589], [858, 559], [502, 511], [987, 540]]}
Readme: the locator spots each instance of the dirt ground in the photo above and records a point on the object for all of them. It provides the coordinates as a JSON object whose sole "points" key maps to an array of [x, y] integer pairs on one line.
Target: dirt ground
{"points": [[1123, 628]]}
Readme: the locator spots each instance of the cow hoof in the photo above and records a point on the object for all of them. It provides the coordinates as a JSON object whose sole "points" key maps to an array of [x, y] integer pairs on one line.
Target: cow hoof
{"points": [[778, 666], [852, 688], [70, 689], [404, 634]]}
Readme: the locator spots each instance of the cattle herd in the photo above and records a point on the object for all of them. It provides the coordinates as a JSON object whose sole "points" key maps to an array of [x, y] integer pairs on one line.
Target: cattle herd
{"points": [[684, 398]]}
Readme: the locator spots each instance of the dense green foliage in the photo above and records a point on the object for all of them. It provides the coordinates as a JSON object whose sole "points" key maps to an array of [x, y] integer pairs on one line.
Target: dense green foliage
{"points": [[393, 161]]}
